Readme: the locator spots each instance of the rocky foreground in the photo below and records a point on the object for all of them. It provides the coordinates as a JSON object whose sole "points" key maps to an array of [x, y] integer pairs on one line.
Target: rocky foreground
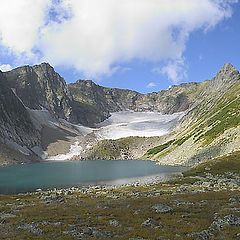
{"points": [[204, 203]]}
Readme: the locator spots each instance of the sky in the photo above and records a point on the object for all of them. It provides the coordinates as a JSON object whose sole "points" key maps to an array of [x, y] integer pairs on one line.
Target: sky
{"points": [[143, 45]]}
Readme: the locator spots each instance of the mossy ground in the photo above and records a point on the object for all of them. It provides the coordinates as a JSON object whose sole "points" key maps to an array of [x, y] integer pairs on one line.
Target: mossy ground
{"points": [[220, 165], [192, 213]]}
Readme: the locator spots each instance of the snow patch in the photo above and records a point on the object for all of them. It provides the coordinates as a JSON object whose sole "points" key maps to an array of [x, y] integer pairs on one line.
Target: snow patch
{"points": [[74, 151], [142, 124], [79, 128]]}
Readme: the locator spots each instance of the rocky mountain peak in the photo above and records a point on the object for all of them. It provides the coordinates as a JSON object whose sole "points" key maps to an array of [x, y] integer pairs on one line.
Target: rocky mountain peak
{"points": [[40, 87], [225, 78], [87, 84], [44, 65], [84, 81], [227, 73], [228, 67], [15, 122]]}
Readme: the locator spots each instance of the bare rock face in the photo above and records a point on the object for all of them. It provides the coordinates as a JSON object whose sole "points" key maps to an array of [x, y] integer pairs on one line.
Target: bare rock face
{"points": [[15, 122], [175, 99], [95, 102], [40, 87], [225, 78]]}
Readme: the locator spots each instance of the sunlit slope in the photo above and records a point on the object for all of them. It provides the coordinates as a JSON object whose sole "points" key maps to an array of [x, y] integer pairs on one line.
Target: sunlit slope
{"points": [[211, 129]]}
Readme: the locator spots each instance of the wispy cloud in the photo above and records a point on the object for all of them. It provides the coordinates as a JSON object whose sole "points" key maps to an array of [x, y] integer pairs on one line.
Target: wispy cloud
{"points": [[151, 85], [176, 71]]}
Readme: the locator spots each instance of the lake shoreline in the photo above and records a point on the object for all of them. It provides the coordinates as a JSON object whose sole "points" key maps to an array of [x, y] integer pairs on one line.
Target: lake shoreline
{"points": [[147, 181], [65, 175]]}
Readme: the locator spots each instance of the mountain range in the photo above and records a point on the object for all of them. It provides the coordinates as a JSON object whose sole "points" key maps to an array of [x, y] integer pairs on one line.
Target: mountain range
{"points": [[41, 116]]}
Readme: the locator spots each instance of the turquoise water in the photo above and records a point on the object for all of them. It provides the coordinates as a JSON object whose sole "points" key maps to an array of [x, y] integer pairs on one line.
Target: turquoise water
{"points": [[46, 175]]}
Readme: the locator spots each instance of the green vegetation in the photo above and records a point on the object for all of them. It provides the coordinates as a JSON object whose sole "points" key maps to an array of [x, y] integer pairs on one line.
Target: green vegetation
{"points": [[82, 211], [159, 148], [211, 119], [224, 115], [221, 165], [112, 149], [226, 118], [180, 141]]}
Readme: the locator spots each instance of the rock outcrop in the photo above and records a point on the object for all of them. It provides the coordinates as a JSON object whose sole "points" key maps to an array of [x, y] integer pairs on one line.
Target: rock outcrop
{"points": [[40, 87], [16, 129]]}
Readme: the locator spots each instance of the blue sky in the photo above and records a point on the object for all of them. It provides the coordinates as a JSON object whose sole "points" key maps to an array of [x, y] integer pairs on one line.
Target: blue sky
{"points": [[144, 55]]}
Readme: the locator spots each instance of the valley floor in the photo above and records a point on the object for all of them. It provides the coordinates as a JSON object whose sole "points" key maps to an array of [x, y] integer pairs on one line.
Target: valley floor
{"points": [[202, 204]]}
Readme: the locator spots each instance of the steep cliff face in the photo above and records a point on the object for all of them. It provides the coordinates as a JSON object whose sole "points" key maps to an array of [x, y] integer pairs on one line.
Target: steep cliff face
{"points": [[93, 103], [15, 123], [175, 99], [40, 87], [96, 102]]}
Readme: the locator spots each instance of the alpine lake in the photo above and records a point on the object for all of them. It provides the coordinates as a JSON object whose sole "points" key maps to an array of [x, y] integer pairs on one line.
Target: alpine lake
{"points": [[48, 175]]}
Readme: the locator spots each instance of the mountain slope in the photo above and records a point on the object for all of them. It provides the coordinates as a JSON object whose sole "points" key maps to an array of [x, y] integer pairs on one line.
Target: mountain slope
{"points": [[40, 87], [37, 109], [211, 128], [16, 128]]}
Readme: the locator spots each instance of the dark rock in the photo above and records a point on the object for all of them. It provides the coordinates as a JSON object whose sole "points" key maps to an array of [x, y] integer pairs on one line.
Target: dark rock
{"points": [[92, 231], [53, 198], [15, 122], [151, 223], [216, 226], [203, 235], [114, 223], [32, 228], [41, 87], [162, 208]]}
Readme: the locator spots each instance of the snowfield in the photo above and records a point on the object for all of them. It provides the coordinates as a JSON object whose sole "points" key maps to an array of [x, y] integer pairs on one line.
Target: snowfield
{"points": [[75, 150], [142, 124], [121, 125]]}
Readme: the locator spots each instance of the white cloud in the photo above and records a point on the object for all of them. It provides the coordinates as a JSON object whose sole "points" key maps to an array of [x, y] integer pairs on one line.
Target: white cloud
{"points": [[20, 21], [5, 67], [176, 71], [96, 36], [151, 85]]}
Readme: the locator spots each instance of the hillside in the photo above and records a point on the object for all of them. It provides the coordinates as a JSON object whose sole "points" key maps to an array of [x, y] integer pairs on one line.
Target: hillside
{"points": [[16, 128], [211, 128]]}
